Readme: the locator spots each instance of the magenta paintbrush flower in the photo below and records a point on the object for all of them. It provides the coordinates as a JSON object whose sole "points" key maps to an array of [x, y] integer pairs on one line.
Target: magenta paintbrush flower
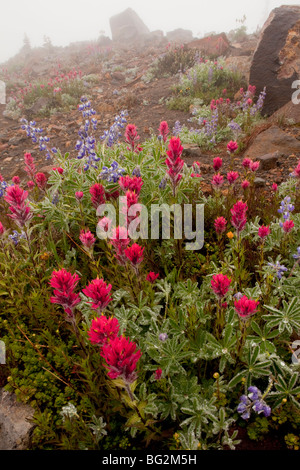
{"points": [[29, 165], [164, 130], [174, 162], [16, 197], [103, 330], [87, 239], [239, 218], [41, 180], [99, 292], [247, 162], [217, 180], [64, 284], [245, 307], [220, 285], [232, 176], [121, 358], [120, 241], [220, 224], [245, 184], [232, 146]]}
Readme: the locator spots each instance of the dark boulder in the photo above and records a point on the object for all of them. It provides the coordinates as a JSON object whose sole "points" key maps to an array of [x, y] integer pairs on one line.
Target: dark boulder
{"points": [[276, 63]]}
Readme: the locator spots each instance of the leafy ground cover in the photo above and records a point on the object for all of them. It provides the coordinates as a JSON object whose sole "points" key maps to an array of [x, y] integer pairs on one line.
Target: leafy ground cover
{"points": [[117, 338]]}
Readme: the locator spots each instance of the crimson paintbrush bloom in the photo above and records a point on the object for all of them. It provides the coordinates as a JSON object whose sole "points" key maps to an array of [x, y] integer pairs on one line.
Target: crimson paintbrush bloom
{"points": [[135, 254], [151, 277], [121, 358], [99, 292], [133, 183], [103, 330], [245, 307], [220, 285], [64, 284], [217, 163], [79, 195], [2, 229], [120, 241], [158, 374], [131, 136], [288, 225], [98, 195], [16, 179], [264, 231]]}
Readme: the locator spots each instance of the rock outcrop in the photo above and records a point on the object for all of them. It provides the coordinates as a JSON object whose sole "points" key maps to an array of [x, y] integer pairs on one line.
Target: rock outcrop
{"points": [[15, 429], [273, 140], [180, 35], [276, 60], [213, 46], [127, 26]]}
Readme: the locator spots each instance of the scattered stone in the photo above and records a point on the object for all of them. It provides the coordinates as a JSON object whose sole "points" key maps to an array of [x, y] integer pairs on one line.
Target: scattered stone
{"points": [[118, 76], [215, 45], [268, 161], [259, 182], [127, 26], [40, 104], [15, 427], [287, 114], [180, 35], [191, 154], [276, 62], [273, 140]]}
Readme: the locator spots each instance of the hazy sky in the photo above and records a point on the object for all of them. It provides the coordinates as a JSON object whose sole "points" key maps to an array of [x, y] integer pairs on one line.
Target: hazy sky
{"points": [[66, 21]]}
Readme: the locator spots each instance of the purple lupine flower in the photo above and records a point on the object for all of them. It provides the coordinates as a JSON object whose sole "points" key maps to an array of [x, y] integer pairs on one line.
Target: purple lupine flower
{"points": [[163, 337], [37, 137], [253, 401], [286, 207], [297, 255], [112, 136], [279, 268], [111, 174], [177, 128]]}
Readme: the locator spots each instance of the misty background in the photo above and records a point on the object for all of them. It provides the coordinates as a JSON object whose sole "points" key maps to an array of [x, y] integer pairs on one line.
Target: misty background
{"points": [[67, 21]]}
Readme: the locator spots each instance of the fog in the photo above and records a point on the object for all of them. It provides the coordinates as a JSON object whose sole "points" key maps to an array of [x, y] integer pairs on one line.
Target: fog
{"points": [[66, 21]]}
